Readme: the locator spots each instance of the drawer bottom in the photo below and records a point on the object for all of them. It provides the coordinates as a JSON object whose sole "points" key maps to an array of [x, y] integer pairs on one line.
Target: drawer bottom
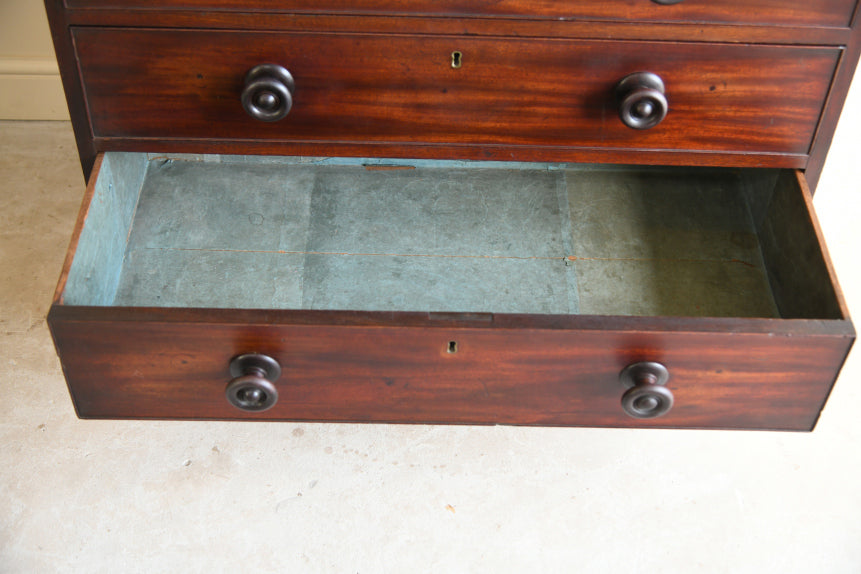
{"points": [[439, 236]]}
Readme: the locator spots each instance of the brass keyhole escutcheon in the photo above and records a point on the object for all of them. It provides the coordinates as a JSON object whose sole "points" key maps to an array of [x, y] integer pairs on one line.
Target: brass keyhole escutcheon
{"points": [[456, 59]]}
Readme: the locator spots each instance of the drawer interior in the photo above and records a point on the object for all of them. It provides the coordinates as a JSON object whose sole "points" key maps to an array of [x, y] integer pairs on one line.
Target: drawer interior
{"points": [[400, 235]]}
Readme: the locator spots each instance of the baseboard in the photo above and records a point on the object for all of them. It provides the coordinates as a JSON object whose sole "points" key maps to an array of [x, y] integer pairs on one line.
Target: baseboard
{"points": [[30, 89]]}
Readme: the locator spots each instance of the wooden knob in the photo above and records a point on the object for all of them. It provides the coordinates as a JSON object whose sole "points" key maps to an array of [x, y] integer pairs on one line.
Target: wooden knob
{"points": [[252, 388], [646, 397], [268, 92], [642, 103]]}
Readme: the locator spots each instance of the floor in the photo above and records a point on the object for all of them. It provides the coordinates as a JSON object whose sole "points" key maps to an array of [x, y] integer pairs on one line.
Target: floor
{"points": [[127, 496]]}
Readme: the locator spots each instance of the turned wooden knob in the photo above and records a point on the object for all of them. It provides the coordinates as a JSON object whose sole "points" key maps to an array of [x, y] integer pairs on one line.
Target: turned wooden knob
{"points": [[268, 92], [646, 397], [642, 103], [252, 388]]}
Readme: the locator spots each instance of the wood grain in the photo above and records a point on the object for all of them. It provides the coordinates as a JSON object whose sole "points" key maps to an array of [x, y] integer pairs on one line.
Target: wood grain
{"points": [[76, 232], [396, 366], [746, 81], [389, 90], [799, 34], [175, 369], [834, 104], [772, 12], [62, 40]]}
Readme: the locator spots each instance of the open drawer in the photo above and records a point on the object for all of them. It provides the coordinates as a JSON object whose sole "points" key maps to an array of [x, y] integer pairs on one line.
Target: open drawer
{"points": [[234, 287]]}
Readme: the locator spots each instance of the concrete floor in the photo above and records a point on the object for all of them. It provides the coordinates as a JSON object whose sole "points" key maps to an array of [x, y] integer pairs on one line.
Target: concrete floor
{"points": [[126, 496]]}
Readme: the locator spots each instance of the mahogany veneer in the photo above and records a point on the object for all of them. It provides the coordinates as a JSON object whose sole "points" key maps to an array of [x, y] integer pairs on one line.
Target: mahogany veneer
{"points": [[752, 85], [833, 13], [403, 91]]}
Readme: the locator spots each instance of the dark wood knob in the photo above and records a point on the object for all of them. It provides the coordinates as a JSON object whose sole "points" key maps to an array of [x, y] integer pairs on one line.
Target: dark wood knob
{"points": [[646, 397], [642, 103], [252, 388], [268, 92]]}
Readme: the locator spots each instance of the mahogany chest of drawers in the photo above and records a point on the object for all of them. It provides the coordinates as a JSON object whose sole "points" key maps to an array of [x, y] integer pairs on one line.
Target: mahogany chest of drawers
{"points": [[592, 213]]}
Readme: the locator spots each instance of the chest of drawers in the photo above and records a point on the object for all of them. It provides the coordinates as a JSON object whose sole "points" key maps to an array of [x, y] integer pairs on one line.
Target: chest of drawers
{"points": [[585, 213]]}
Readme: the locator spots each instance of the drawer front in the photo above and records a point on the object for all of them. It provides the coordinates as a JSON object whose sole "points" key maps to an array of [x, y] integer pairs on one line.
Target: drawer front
{"points": [[401, 374], [780, 12], [370, 91]]}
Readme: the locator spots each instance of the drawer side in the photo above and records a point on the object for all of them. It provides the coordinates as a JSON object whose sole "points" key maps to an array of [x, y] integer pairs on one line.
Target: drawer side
{"points": [[802, 281], [93, 277]]}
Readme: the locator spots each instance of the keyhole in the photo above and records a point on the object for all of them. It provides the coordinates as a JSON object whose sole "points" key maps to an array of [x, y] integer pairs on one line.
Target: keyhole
{"points": [[456, 60], [452, 346]]}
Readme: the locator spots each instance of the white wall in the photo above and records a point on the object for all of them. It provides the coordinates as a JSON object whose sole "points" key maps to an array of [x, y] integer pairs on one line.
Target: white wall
{"points": [[30, 87]]}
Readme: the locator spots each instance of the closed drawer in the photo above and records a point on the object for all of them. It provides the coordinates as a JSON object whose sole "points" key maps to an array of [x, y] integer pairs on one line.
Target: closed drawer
{"points": [[454, 97], [778, 12], [449, 292]]}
